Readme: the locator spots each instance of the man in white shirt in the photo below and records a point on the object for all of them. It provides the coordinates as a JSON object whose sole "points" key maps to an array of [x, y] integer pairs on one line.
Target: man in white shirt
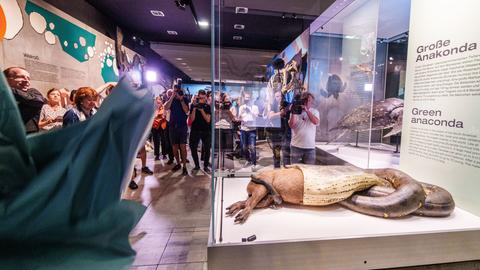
{"points": [[304, 123], [248, 114]]}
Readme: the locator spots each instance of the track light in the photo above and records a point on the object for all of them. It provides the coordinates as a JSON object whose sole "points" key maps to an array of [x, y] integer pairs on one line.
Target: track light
{"points": [[181, 4]]}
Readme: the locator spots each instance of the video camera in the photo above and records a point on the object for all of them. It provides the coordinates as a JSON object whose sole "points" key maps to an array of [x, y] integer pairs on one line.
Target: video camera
{"points": [[225, 105], [297, 104], [177, 87]]}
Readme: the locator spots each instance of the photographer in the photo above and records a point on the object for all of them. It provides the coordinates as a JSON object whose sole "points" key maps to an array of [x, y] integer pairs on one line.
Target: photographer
{"points": [[200, 117], [248, 114], [303, 121], [224, 125], [178, 130], [279, 132]]}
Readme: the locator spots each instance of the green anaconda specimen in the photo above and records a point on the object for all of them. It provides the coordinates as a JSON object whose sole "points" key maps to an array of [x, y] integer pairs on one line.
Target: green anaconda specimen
{"points": [[384, 193]]}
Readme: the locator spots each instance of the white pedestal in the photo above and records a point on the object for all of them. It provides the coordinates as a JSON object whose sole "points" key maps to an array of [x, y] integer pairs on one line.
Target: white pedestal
{"points": [[381, 155], [336, 238]]}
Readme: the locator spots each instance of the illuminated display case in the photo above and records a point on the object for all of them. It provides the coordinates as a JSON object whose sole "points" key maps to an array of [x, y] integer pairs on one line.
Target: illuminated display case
{"points": [[353, 60]]}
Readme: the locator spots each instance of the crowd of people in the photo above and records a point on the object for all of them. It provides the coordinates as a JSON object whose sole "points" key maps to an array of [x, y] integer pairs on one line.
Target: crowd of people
{"points": [[181, 119], [41, 114], [291, 128]]}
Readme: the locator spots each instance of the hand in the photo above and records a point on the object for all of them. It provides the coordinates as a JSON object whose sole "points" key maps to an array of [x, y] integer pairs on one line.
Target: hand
{"points": [[283, 112]]}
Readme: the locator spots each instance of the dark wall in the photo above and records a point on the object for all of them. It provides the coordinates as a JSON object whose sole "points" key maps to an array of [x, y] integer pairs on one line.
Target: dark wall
{"points": [[86, 13]]}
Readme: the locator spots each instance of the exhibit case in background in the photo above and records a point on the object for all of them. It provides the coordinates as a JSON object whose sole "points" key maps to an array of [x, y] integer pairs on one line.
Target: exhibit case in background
{"points": [[392, 90]]}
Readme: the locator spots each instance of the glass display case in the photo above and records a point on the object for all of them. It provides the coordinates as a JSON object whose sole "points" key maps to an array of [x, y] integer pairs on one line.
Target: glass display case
{"points": [[330, 106]]}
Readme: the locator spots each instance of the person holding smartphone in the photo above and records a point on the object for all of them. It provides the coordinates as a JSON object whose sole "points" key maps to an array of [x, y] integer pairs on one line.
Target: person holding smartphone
{"points": [[51, 114]]}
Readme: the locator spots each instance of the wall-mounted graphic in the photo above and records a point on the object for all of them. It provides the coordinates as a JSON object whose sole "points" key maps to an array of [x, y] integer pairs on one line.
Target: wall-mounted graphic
{"points": [[108, 63], [11, 20], [76, 41]]}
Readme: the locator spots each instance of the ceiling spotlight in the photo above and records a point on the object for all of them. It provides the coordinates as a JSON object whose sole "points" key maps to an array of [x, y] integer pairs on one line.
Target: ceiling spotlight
{"points": [[172, 33], [239, 26], [294, 15], [203, 24], [181, 4], [241, 10], [134, 38], [184, 64], [237, 37], [283, 15], [179, 59], [151, 76], [157, 13]]}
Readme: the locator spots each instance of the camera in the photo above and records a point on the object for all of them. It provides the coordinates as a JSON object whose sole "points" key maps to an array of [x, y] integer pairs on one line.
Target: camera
{"points": [[297, 104], [225, 105], [199, 105], [177, 87]]}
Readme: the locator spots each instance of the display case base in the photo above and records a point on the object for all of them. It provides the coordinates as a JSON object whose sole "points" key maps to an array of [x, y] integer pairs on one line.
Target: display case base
{"points": [[296, 237], [380, 156]]}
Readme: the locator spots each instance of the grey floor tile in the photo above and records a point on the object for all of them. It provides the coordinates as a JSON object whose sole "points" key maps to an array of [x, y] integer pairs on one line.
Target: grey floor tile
{"points": [[155, 222], [186, 247], [183, 266], [149, 247], [183, 229], [144, 267], [203, 229]]}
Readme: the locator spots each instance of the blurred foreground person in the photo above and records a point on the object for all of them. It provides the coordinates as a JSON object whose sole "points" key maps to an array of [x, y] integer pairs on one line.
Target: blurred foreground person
{"points": [[60, 190]]}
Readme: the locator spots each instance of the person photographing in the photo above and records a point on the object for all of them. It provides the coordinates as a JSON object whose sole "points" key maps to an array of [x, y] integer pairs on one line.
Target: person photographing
{"points": [[248, 114], [200, 117], [178, 129], [303, 121]]}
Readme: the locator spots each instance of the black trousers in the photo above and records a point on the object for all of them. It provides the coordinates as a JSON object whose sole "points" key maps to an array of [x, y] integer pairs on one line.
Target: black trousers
{"points": [[280, 141], [195, 137], [160, 138], [165, 140]]}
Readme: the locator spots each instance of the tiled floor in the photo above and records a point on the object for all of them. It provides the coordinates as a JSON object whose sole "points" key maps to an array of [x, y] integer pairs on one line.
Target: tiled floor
{"points": [[173, 233]]}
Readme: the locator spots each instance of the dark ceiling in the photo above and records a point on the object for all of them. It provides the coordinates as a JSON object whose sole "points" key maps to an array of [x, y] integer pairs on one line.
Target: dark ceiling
{"points": [[264, 26]]}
